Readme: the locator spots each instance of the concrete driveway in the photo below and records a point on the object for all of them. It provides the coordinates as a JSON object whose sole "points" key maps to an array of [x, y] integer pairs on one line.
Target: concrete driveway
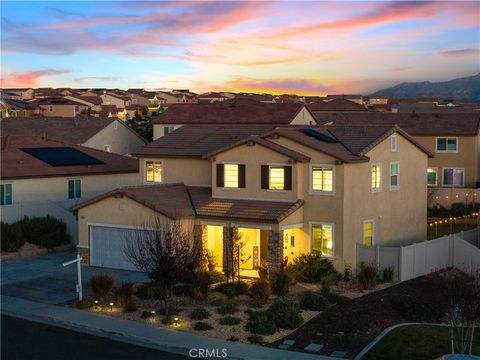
{"points": [[43, 279]]}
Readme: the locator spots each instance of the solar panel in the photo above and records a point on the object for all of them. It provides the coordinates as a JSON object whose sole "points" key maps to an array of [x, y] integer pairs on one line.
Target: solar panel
{"points": [[62, 156], [318, 135]]}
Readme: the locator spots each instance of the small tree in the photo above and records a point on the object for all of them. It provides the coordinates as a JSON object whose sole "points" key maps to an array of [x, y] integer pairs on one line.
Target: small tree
{"points": [[464, 313], [236, 256], [168, 254]]}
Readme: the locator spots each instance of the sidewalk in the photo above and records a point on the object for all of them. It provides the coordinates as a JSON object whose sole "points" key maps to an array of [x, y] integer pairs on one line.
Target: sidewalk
{"points": [[140, 334]]}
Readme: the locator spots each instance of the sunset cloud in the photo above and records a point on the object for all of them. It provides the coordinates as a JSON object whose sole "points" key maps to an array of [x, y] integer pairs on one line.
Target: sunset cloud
{"points": [[96, 79], [460, 52], [28, 78]]}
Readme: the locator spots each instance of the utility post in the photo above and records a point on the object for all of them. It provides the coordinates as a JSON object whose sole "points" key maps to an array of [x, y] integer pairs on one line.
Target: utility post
{"points": [[78, 260]]}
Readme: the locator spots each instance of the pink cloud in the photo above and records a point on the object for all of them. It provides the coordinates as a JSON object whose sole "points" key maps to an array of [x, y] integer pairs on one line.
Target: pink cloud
{"points": [[285, 85], [460, 52], [29, 78]]}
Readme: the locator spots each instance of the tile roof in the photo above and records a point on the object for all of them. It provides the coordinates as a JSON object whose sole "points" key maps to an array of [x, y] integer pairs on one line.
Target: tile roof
{"points": [[18, 164], [230, 112], [338, 104], [71, 130], [414, 124], [58, 101], [179, 201], [19, 103]]}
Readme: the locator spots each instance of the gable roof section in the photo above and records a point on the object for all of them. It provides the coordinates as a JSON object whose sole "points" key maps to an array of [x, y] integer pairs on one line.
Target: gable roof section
{"points": [[251, 140], [338, 104], [17, 164], [414, 124], [230, 112], [70, 130]]}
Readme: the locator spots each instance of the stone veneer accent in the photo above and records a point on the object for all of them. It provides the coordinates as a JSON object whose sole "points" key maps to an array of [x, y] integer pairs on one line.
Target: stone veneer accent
{"points": [[200, 237], [275, 250], [85, 254], [227, 244]]}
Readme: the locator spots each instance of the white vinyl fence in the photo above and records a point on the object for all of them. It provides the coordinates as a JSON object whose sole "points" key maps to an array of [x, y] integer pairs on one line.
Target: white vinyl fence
{"points": [[458, 250]]}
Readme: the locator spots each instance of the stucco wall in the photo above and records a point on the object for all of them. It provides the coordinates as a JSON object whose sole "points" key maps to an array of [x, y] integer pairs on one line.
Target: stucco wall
{"points": [[195, 172], [120, 139], [303, 118], [158, 129], [62, 110]]}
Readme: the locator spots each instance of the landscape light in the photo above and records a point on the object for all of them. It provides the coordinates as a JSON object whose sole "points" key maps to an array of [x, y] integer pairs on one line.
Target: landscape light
{"points": [[175, 321], [111, 306]]}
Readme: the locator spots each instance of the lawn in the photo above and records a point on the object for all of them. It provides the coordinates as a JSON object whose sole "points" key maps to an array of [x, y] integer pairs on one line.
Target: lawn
{"points": [[416, 342], [444, 229]]}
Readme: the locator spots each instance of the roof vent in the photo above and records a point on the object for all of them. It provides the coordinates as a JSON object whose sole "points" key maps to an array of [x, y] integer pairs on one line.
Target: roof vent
{"points": [[319, 136]]}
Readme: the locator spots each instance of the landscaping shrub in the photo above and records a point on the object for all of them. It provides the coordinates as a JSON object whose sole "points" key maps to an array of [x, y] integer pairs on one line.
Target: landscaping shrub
{"points": [[200, 284], [313, 301], [202, 326], [388, 274], [218, 302], [45, 231], [261, 322], [367, 275], [347, 273], [333, 298], [216, 277], [263, 270], [124, 294], [149, 291], [281, 281], [230, 320], [146, 315], [232, 289], [260, 290], [312, 267], [169, 320], [130, 307], [286, 314], [12, 237], [101, 285], [255, 339], [327, 282], [418, 312], [199, 314], [85, 303], [229, 306], [459, 209]]}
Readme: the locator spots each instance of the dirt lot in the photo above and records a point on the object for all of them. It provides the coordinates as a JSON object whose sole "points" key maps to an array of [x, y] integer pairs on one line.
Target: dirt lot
{"points": [[351, 326]]}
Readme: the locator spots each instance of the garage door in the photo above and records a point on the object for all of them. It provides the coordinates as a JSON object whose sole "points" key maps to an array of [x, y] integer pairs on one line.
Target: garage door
{"points": [[108, 246]]}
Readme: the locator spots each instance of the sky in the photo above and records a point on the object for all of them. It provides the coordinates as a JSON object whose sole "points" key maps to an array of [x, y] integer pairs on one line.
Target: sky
{"points": [[316, 47]]}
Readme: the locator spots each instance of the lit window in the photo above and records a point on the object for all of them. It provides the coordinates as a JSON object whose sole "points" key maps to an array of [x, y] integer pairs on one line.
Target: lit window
{"points": [[74, 189], [230, 175], [153, 171], [394, 176], [432, 176], [453, 177], [277, 178], [368, 233], [322, 178], [322, 238], [6, 196], [376, 178], [393, 143], [448, 144]]}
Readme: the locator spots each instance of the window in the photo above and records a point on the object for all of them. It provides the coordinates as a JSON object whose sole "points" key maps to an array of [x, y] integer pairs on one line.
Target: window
{"points": [[432, 176], [106, 148], [453, 177], [276, 178], [393, 143], [369, 233], [168, 129], [74, 189], [50, 108], [447, 144], [322, 178], [6, 196], [230, 175], [153, 171], [376, 177], [322, 238], [76, 109], [394, 175]]}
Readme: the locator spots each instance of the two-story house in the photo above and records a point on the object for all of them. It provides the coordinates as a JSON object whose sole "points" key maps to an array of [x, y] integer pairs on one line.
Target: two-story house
{"points": [[61, 107], [121, 101], [288, 190]]}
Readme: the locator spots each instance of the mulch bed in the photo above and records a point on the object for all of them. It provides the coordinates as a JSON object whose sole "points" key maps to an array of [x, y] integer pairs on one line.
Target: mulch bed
{"points": [[364, 318]]}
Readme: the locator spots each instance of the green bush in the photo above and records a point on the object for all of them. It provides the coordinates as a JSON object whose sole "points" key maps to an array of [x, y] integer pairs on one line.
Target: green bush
{"points": [[418, 312], [199, 314], [169, 320], [255, 339], [347, 273], [311, 268], [85, 303], [286, 314], [459, 209], [230, 320], [149, 291], [216, 277], [45, 231], [367, 275], [232, 289], [261, 322], [229, 306], [313, 301], [130, 307], [260, 291], [327, 282], [281, 281], [124, 294], [102, 285], [388, 274], [333, 298], [12, 237], [147, 315], [200, 284], [202, 326]]}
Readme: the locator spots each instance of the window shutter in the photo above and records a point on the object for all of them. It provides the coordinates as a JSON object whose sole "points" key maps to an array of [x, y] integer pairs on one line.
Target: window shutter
{"points": [[78, 189], [241, 176], [288, 177], [2, 188], [8, 194], [71, 189], [220, 176], [264, 183]]}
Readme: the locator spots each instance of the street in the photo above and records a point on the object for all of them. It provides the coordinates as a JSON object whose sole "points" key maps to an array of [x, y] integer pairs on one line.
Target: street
{"points": [[27, 340]]}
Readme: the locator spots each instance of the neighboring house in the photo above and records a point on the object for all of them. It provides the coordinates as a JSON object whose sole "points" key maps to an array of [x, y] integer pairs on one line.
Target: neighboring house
{"points": [[93, 102], [108, 111], [59, 106], [336, 105], [231, 112], [108, 134], [42, 177], [453, 139], [178, 97], [140, 96], [120, 101], [15, 108], [212, 97], [23, 93], [355, 98], [289, 190]]}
